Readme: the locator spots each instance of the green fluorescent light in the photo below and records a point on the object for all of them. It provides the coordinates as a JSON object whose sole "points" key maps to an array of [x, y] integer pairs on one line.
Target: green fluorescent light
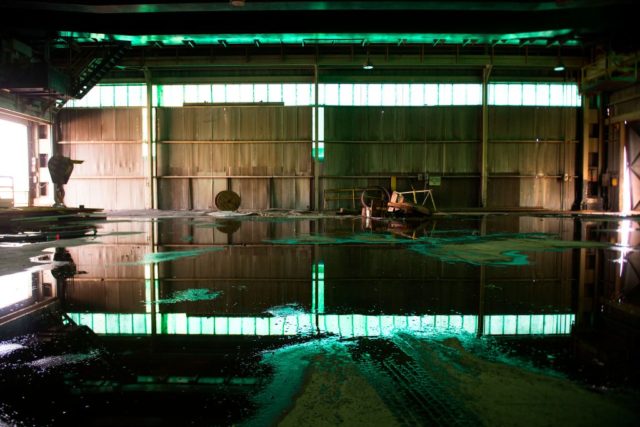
{"points": [[534, 38]]}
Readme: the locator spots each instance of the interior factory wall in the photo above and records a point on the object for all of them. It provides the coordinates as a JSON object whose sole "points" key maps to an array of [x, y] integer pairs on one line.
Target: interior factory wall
{"points": [[532, 157], [365, 146], [263, 153], [110, 141], [265, 148], [621, 134]]}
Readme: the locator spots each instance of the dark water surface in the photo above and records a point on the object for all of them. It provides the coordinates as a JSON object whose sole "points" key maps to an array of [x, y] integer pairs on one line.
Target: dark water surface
{"points": [[496, 320]]}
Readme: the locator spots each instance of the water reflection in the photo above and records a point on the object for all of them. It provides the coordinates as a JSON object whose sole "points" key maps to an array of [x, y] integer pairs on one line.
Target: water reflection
{"points": [[224, 291]]}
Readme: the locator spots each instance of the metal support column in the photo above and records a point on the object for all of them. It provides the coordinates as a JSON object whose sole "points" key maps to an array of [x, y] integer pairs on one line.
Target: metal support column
{"points": [[486, 72], [315, 144], [482, 285], [153, 203], [585, 152], [622, 184]]}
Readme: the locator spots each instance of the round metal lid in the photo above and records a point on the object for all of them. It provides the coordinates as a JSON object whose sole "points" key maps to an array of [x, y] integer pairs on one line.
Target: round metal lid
{"points": [[227, 201]]}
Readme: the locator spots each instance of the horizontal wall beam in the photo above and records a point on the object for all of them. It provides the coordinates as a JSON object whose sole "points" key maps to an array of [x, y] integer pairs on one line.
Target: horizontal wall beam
{"points": [[348, 61]]}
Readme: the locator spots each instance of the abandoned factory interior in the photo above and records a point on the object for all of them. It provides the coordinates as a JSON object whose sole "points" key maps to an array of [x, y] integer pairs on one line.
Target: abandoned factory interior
{"points": [[318, 213]]}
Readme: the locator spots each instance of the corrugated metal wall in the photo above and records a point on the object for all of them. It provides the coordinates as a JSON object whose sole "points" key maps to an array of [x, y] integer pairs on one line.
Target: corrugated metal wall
{"points": [[109, 140], [204, 150], [404, 142], [530, 151], [263, 153]]}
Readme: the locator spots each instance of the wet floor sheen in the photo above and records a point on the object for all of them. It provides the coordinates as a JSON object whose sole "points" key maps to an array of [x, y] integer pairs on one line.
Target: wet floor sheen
{"points": [[294, 320]]}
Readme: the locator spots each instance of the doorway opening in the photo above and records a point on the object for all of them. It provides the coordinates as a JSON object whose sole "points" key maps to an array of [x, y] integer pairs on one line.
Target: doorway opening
{"points": [[14, 163]]}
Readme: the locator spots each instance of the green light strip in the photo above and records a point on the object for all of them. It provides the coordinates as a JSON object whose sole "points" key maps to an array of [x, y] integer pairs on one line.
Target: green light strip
{"points": [[538, 38], [344, 325]]}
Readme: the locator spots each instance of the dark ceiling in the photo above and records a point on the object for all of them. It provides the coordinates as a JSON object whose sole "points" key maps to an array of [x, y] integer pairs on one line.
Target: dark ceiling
{"points": [[579, 21], [56, 50]]}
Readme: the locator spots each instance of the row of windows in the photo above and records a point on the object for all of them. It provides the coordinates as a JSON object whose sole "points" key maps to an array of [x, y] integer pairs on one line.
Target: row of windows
{"points": [[343, 94], [345, 325]]}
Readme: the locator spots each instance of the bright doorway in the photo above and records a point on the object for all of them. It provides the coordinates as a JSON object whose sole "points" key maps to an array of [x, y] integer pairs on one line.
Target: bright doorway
{"points": [[14, 162]]}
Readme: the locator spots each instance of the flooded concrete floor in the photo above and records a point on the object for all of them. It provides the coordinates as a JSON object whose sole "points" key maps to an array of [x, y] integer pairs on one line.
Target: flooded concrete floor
{"points": [[168, 320]]}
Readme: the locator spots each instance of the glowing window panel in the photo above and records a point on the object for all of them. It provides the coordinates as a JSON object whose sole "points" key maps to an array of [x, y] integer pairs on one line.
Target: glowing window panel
{"points": [[386, 325], [172, 96], [455, 322], [431, 96], [537, 324], [528, 94], [359, 325], [262, 326], [235, 326], [459, 95], [345, 325], [374, 95], [428, 321], [510, 324], [15, 288], [329, 94], [389, 95], [359, 94], [416, 95], [400, 322], [445, 94], [219, 94], [98, 323], [542, 95], [112, 323], [261, 93], [290, 325], [442, 322], [556, 95], [207, 326], [289, 94], [403, 94], [276, 326], [331, 324], [194, 326], [191, 94], [524, 325], [515, 94], [121, 96], [246, 93], [248, 326], [221, 326], [372, 324], [474, 94], [234, 94], [275, 93], [178, 323], [345, 94], [107, 96], [126, 324], [500, 94], [413, 323], [470, 324], [305, 94]]}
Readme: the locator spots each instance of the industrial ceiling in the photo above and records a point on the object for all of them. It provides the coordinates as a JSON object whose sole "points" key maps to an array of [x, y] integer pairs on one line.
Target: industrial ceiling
{"points": [[56, 50]]}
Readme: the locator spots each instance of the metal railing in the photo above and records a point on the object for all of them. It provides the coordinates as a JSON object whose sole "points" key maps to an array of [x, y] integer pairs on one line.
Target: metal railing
{"points": [[7, 192]]}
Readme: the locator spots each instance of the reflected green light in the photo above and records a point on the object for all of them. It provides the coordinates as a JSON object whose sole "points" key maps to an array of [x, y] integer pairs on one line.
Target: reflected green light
{"points": [[343, 325]]}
